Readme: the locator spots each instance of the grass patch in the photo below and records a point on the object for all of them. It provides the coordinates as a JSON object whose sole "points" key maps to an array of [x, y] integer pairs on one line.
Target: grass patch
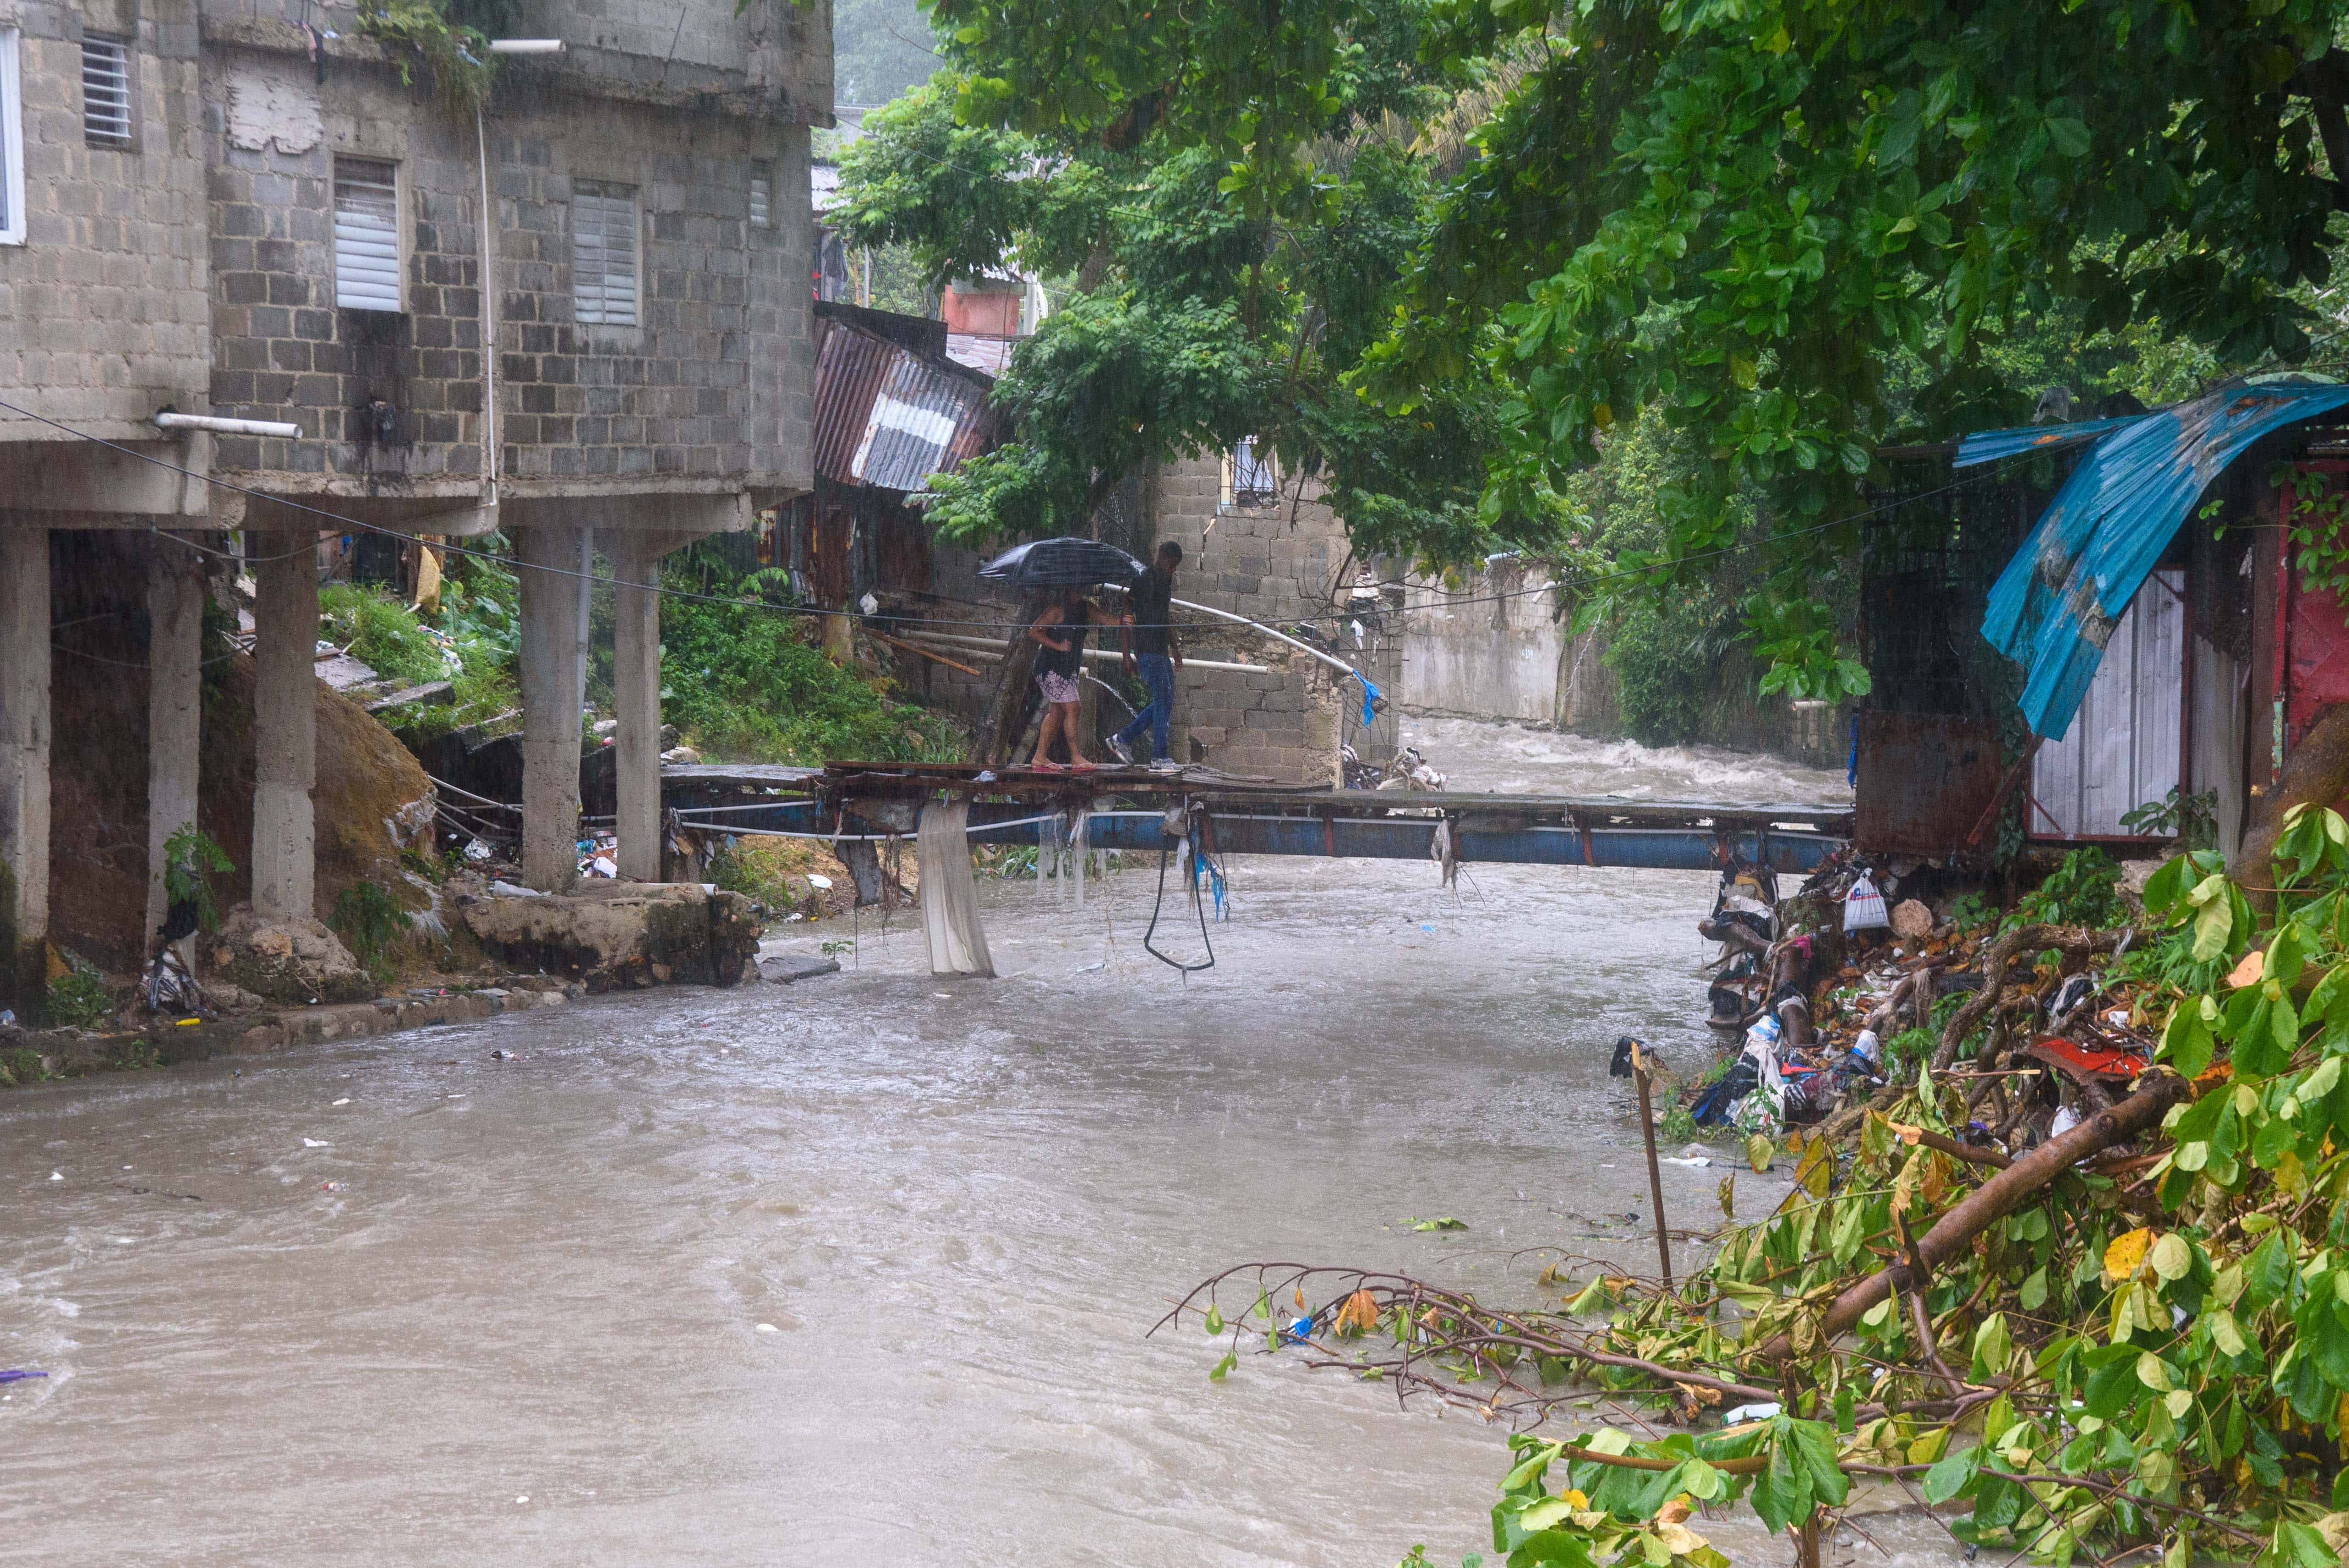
{"points": [[370, 920], [381, 632], [78, 999]]}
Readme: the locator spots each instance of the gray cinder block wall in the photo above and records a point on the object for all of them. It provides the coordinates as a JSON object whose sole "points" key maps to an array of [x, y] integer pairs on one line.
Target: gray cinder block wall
{"points": [[104, 315], [1274, 565], [707, 391], [1285, 562]]}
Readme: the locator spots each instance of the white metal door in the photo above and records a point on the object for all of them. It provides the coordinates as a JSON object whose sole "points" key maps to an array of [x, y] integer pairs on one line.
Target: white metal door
{"points": [[2122, 749]]}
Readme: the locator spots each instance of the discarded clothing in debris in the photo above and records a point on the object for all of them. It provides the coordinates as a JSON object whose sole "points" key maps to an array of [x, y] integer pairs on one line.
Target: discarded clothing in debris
{"points": [[949, 895], [1717, 1103]]}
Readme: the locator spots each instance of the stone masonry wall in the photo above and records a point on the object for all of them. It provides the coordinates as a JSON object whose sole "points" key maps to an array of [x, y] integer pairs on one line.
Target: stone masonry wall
{"points": [[103, 310], [709, 387]]}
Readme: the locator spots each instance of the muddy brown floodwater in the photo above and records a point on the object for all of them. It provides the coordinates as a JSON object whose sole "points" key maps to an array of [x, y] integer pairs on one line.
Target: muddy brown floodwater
{"points": [[857, 1271]]}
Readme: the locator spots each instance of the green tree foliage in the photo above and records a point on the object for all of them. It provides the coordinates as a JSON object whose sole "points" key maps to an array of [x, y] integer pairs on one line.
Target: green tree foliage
{"points": [[1749, 217], [1787, 227], [1198, 303], [742, 679]]}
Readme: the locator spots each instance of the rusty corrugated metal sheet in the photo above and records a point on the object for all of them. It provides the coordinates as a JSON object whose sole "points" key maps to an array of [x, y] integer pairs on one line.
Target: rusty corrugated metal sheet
{"points": [[1925, 780], [889, 417], [849, 370]]}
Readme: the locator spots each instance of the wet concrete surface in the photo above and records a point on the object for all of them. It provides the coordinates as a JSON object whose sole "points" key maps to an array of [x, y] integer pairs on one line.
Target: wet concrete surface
{"points": [[858, 1270]]}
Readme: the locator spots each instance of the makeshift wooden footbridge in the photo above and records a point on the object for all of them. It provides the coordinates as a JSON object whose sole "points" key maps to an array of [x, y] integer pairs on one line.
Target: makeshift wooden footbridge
{"points": [[1136, 809]]}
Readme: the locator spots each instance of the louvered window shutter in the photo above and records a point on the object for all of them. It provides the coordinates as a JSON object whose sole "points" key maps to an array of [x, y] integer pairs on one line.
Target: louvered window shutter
{"points": [[603, 253], [366, 235], [105, 91], [762, 196]]}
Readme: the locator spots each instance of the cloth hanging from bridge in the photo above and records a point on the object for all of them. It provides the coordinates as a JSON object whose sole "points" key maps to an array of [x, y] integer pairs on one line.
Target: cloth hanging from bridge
{"points": [[2056, 604], [958, 942]]}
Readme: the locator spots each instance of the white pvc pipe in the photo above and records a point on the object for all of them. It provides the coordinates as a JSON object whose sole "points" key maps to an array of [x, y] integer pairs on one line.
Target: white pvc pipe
{"points": [[526, 46], [1341, 666], [220, 427]]}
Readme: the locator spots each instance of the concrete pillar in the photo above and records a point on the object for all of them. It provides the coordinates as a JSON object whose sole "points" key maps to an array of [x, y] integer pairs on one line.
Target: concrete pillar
{"points": [[285, 723], [23, 764], [175, 612], [636, 696], [548, 559]]}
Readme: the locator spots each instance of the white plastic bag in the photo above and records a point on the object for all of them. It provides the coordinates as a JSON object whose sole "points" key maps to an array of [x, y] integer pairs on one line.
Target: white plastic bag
{"points": [[1863, 907]]}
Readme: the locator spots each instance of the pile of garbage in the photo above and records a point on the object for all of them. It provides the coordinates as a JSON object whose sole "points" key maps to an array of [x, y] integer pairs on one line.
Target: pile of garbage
{"points": [[1845, 987]]}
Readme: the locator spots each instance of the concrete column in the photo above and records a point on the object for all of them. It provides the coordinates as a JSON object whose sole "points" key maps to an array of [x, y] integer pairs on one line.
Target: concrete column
{"points": [[23, 764], [548, 556], [636, 682], [285, 724], [175, 612]]}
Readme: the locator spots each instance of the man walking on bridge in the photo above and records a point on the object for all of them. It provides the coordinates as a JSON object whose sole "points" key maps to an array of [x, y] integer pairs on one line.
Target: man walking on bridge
{"points": [[1151, 644]]}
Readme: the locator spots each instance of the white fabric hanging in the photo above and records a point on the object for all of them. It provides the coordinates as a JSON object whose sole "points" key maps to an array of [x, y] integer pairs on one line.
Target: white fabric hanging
{"points": [[950, 893]]}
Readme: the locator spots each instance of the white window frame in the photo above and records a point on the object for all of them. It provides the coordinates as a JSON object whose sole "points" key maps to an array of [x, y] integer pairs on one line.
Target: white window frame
{"points": [[12, 142], [399, 234], [1237, 500], [599, 197], [762, 195], [90, 135]]}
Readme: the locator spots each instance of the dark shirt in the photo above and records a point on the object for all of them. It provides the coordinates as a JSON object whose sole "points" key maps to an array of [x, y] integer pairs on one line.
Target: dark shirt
{"points": [[1072, 631], [1152, 610]]}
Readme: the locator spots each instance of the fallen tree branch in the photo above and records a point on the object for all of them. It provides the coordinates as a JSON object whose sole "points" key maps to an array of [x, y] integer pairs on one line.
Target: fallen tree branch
{"points": [[2072, 940], [2002, 1195]]}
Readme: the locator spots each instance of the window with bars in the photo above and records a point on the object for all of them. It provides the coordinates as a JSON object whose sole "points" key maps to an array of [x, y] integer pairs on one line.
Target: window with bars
{"points": [[105, 91], [366, 235], [1252, 476], [762, 195], [12, 145], [604, 251]]}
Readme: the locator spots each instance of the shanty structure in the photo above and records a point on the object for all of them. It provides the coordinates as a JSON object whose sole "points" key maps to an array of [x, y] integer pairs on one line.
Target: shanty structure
{"points": [[2094, 618], [891, 409]]}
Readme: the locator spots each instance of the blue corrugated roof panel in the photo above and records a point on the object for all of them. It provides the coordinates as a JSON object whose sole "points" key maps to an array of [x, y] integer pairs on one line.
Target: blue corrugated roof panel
{"points": [[1989, 446], [2054, 606]]}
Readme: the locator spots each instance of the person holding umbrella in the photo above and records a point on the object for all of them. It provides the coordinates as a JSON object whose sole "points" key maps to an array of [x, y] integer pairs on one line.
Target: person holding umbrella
{"points": [[1151, 647], [1062, 630]]}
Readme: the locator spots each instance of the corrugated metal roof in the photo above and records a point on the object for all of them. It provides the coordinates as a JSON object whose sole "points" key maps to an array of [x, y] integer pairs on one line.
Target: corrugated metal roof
{"points": [[989, 356], [1989, 446], [2056, 604], [889, 417]]}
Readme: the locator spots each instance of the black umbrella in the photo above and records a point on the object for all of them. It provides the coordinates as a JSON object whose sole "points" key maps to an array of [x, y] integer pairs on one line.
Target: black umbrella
{"points": [[1062, 563]]}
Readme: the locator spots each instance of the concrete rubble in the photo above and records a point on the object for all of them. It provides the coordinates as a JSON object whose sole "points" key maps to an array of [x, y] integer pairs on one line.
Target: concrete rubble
{"points": [[286, 959], [614, 935]]}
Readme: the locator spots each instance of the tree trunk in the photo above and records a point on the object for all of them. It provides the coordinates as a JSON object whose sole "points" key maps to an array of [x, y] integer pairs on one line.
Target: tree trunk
{"points": [[991, 745], [2316, 773]]}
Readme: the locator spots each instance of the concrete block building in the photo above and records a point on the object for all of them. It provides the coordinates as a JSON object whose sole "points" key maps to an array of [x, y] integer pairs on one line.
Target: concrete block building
{"points": [[262, 219]]}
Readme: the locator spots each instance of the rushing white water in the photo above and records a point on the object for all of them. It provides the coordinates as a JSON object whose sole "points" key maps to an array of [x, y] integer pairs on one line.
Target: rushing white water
{"points": [[858, 1271]]}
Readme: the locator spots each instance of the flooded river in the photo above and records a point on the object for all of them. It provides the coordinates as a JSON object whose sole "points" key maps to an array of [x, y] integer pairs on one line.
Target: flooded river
{"points": [[856, 1270]]}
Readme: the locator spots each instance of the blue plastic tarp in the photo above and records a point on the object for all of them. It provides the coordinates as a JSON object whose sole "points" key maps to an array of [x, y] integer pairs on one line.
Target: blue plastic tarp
{"points": [[2056, 605]]}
